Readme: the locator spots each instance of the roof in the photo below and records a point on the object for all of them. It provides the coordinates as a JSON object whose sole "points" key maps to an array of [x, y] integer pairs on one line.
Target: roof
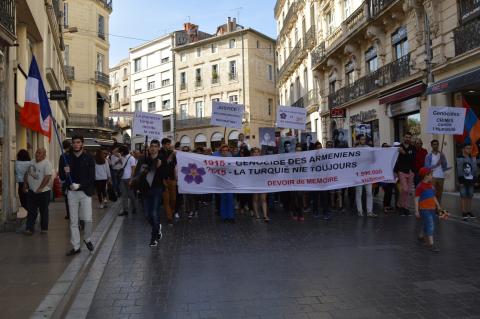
{"points": [[148, 43], [221, 37]]}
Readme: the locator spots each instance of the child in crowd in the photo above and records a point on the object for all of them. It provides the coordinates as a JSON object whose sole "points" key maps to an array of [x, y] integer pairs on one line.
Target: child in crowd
{"points": [[425, 207]]}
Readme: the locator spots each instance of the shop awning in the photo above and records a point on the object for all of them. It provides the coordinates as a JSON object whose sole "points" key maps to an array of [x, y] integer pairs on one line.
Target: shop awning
{"points": [[403, 94], [463, 81]]}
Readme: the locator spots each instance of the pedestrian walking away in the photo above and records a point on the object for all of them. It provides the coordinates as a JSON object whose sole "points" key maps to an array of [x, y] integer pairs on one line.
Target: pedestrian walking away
{"points": [[79, 174], [128, 197]]}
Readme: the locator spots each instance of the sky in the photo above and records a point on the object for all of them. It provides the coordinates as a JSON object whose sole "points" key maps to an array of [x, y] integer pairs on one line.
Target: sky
{"points": [[134, 22]]}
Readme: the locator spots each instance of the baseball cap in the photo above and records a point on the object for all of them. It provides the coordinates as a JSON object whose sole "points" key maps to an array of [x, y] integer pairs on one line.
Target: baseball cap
{"points": [[424, 171]]}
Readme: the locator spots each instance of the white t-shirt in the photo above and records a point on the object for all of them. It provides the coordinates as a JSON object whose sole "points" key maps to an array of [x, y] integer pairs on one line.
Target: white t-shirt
{"points": [[102, 171], [36, 172], [437, 171], [131, 162]]}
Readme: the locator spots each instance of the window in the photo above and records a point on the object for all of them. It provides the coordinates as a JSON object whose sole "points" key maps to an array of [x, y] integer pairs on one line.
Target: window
{"points": [[199, 52], [270, 106], [298, 88], [183, 80], [329, 22], [137, 86], [165, 55], [66, 54], [183, 57], [231, 43], [100, 59], [270, 72], [151, 105], [125, 92], [233, 70], [138, 105], [166, 102], [65, 15], [165, 60], [214, 48], [101, 26], [151, 82], [214, 73], [137, 65], [296, 35], [117, 96], [215, 100], [165, 78], [183, 111], [400, 42], [258, 44], [199, 109], [198, 77], [349, 73], [331, 87], [167, 124], [305, 81], [153, 59], [372, 60], [233, 99], [346, 8], [125, 74]]}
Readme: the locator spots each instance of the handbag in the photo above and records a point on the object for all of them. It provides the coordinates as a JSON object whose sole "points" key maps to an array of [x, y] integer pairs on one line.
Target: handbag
{"points": [[122, 170]]}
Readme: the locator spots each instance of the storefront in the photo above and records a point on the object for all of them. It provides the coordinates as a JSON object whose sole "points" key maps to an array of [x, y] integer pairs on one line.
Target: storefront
{"points": [[365, 123]]}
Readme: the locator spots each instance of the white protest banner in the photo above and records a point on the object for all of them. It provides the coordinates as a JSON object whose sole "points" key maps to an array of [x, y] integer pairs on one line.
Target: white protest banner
{"points": [[291, 117], [227, 114], [148, 124], [446, 120], [322, 169]]}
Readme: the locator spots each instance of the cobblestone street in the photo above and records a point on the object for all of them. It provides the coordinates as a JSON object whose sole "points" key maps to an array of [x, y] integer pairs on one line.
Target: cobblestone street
{"points": [[348, 267]]}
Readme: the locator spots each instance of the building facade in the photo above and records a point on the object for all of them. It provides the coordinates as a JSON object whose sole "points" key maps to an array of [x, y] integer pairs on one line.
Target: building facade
{"points": [[152, 82], [86, 57], [376, 62], [120, 109], [236, 65], [297, 35]]}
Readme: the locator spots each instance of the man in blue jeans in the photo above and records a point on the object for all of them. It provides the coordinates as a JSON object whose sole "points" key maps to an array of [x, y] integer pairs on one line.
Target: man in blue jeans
{"points": [[149, 180]]}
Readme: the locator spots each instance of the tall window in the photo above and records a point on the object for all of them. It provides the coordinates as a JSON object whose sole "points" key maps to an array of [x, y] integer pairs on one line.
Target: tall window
{"points": [[231, 43], [183, 80], [65, 14], [166, 102], [214, 48], [233, 70], [117, 96], [125, 72], [199, 52], [101, 26], [198, 77], [298, 88], [151, 105], [214, 73], [270, 106], [349, 73], [296, 35], [165, 78], [183, 111], [292, 94], [329, 22], [331, 86], [199, 109], [305, 81], [233, 99], [270, 72], [151, 82], [167, 124], [137, 65], [137, 86], [138, 105], [100, 61], [346, 8], [400, 42], [372, 60], [125, 92], [183, 57], [66, 54]]}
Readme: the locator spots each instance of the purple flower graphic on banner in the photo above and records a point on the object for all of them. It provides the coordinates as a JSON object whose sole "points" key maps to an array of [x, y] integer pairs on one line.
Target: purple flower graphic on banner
{"points": [[193, 173], [283, 116]]}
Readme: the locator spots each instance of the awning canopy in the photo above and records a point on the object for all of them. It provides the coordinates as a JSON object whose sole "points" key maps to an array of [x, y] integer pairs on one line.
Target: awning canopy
{"points": [[233, 135], [403, 94], [216, 137], [200, 138], [460, 82]]}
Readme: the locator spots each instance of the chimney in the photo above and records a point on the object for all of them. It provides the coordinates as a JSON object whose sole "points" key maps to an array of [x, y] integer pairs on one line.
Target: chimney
{"points": [[234, 24], [229, 25]]}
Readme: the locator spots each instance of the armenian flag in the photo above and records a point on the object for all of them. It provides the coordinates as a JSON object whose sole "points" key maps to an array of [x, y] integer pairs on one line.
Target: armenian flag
{"points": [[472, 129]]}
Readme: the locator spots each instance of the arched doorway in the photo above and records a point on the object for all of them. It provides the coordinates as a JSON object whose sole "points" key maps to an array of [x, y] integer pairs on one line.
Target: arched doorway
{"points": [[233, 138], [185, 141], [216, 140], [200, 140]]}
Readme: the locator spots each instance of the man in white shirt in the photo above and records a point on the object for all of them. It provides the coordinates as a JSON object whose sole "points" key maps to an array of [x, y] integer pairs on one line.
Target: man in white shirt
{"points": [[36, 183], [128, 198], [437, 162]]}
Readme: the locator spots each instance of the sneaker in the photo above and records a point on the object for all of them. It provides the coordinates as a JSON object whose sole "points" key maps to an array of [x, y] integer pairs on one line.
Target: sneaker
{"points": [[153, 243], [471, 216], [89, 245], [73, 252], [360, 214], [326, 217], [465, 216], [190, 215], [373, 215], [177, 216], [434, 249], [160, 235], [301, 219]]}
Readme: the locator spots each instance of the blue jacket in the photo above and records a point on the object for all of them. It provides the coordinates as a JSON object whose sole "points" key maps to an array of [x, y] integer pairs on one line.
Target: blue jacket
{"points": [[443, 161]]}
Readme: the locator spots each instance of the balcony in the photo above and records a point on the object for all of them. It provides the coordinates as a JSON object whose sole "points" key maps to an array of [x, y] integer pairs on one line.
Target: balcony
{"points": [[310, 39], [193, 123], [291, 63], [232, 76], [318, 55], [106, 3], [125, 101], [384, 76], [90, 121], [377, 6], [291, 17], [467, 37], [102, 78], [7, 18], [70, 72], [309, 100], [469, 9]]}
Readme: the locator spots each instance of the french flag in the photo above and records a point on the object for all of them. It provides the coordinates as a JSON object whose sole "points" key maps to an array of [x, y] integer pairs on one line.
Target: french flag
{"points": [[36, 113]]}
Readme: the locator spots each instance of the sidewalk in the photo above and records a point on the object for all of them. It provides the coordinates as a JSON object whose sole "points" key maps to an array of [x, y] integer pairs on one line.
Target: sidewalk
{"points": [[30, 265]]}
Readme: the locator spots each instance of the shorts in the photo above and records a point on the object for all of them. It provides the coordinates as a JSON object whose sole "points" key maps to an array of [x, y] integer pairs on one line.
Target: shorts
{"points": [[428, 216], [466, 191]]}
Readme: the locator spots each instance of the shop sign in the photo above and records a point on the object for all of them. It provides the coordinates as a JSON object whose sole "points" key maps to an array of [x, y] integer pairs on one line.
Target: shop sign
{"points": [[337, 113], [404, 107], [363, 117]]}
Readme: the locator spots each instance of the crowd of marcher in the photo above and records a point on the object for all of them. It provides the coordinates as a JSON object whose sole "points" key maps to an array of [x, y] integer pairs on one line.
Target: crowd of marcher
{"points": [[147, 181]]}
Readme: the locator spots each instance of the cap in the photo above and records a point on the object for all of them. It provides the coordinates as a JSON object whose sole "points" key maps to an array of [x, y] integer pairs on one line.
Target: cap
{"points": [[424, 171], [396, 144]]}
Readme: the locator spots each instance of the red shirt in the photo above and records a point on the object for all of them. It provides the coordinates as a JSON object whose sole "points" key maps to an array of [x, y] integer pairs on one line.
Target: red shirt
{"points": [[426, 194], [420, 155]]}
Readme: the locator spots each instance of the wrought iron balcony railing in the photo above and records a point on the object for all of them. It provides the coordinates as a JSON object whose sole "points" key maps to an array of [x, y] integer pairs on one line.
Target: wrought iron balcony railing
{"points": [[310, 39], [309, 99], [467, 37], [318, 54], [388, 74], [375, 7], [193, 122], [90, 120], [102, 78], [290, 63], [7, 16], [469, 9], [290, 17], [70, 71]]}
